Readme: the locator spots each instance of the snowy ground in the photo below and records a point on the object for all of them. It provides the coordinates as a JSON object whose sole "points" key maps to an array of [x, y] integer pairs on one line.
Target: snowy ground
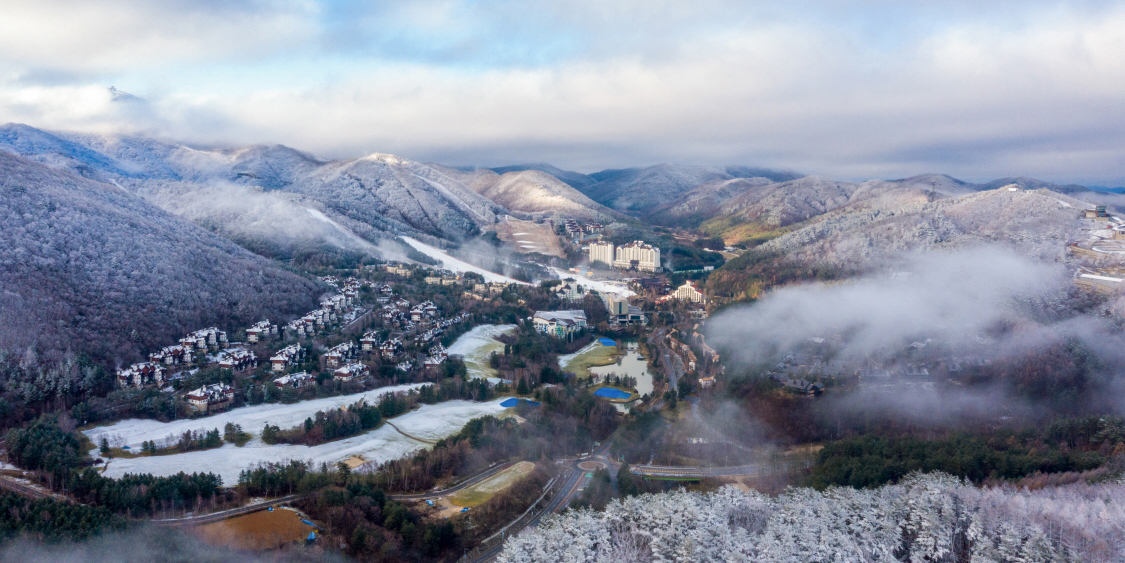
{"points": [[476, 345], [134, 431], [430, 422], [605, 286], [450, 263]]}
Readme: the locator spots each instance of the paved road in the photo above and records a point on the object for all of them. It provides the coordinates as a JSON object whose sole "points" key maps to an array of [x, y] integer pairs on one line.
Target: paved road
{"points": [[223, 515]]}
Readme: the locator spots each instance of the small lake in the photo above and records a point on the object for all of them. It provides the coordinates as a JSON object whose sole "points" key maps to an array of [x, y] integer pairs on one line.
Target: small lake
{"points": [[630, 364]]}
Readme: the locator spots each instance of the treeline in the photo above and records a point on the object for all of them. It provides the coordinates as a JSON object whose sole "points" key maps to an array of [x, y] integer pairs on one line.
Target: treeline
{"points": [[325, 426], [757, 271], [44, 446], [360, 417], [51, 520], [146, 495], [871, 461], [57, 454]]}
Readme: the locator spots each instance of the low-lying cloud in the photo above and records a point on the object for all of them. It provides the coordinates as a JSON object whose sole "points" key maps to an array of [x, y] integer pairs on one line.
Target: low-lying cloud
{"points": [[952, 298]]}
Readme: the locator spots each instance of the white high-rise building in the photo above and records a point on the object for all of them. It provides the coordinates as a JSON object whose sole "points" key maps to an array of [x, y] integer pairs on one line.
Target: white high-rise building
{"points": [[601, 251], [643, 257]]}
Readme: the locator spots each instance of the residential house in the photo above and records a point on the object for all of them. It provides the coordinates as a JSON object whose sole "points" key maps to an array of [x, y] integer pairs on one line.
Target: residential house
{"points": [[295, 380], [216, 396], [349, 372], [238, 360], [340, 353], [288, 356], [260, 331], [391, 348], [369, 342]]}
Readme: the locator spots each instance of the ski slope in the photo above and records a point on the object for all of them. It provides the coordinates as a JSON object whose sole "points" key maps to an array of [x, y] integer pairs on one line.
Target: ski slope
{"points": [[450, 263]]}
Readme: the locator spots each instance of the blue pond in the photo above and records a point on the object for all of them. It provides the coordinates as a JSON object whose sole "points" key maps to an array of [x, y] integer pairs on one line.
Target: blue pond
{"points": [[607, 342], [610, 393], [307, 522], [514, 401]]}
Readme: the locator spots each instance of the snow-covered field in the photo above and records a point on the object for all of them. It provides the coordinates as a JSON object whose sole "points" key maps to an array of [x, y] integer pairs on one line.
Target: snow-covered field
{"points": [[476, 345], [450, 263], [430, 422], [134, 431], [605, 286]]}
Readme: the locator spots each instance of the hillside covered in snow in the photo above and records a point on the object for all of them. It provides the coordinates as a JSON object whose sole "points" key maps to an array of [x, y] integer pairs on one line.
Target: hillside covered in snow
{"points": [[931, 518], [91, 268]]}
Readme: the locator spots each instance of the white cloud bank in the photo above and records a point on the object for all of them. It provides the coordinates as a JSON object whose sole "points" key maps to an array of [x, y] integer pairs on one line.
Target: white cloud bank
{"points": [[863, 89]]}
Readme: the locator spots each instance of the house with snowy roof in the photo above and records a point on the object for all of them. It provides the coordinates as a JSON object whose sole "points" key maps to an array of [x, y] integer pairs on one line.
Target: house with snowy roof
{"points": [[208, 398], [340, 354], [349, 372], [295, 380], [238, 360], [260, 331], [141, 374]]}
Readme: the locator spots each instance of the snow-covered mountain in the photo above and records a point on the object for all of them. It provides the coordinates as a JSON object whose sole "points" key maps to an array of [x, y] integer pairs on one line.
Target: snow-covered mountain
{"points": [[576, 180], [92, 268], [531, 192], [641, 190], [269, 197], [1039, 223]]}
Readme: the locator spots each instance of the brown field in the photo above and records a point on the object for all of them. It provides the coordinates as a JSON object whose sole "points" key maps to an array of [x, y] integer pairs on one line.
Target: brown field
{"points": [[257, 530], [526, 236]]}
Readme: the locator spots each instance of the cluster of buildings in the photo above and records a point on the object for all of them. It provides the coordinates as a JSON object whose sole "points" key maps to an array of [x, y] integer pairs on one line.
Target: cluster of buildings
{"points": [[574, 229], [141, 374], [155, 370], [636, 255], [443, 278], [483, 290]]}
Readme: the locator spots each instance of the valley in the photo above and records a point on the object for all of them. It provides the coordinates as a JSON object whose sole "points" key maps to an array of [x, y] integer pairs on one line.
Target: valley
{"points": [[459, 362]]}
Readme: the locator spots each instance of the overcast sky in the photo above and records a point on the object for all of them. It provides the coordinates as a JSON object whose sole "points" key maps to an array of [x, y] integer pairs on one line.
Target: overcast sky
{"points": [[875, 89]]}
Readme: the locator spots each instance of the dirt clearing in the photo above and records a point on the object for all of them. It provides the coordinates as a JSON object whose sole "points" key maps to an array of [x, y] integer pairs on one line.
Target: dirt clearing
{"points": [[258, 530]]}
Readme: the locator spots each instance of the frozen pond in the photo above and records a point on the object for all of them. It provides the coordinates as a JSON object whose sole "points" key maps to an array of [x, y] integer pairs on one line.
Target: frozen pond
{"points": [[477, 345], [430, 422]]}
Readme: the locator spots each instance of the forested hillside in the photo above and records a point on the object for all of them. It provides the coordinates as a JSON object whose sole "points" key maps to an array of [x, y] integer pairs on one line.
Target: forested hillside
{"points": [[925, 518], [90, 268]]}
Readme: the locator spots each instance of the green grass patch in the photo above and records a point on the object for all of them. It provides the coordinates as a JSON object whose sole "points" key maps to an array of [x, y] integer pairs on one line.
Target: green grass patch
{"points": [[595, 357]]}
